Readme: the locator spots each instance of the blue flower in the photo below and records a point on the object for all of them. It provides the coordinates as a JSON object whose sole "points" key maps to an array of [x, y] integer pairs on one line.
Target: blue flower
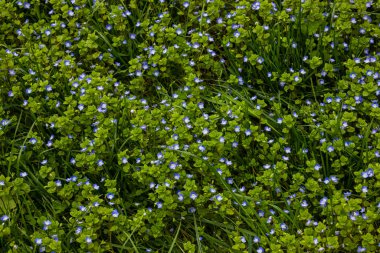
{"points": [[193, 195], [283, 226], [323, 201], [304, 204], [205, 131], [173, 165], [364, 174], [88, 240], [260, 250], [255, 6], [100, 163], [180, 196], [124, 160], [115, 213], [4, 218]]}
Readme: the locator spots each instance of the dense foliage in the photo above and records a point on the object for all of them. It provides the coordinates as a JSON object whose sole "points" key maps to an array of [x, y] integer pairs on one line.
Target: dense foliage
{"points": [[189, 126]]}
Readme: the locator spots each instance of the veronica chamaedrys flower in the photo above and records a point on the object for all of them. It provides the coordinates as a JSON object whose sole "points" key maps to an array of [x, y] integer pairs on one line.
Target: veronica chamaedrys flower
{"points": [[283, 226], [38, 241], [110, 196], [193, 195], [100, 163], [115, 213], [4, 218], [180, 196], [255, 6], [236, 34], [323, 201], [88, 240]]}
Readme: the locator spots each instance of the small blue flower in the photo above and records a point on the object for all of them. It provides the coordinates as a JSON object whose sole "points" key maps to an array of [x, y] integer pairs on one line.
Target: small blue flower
{"points": [[23, 174], [255, 6], [193, 195], [205, 131], [38, 241], [260, 250], [323, 201], [115, 213], [304, 204], [173, 165], [88, 240], [4, 218], [11, 72], [334, 179], [283, 226]]}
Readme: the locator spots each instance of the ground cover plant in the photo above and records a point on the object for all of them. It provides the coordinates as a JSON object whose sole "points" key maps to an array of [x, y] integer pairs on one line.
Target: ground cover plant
{"points": [[189, 126]]}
